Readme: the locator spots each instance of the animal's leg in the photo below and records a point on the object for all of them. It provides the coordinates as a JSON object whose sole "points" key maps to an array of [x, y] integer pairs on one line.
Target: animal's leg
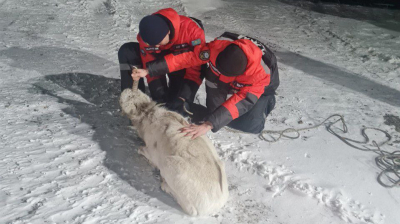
{"points": [[165, 187], [144, 151], [179, 198], [186, 206], [162, 178]]}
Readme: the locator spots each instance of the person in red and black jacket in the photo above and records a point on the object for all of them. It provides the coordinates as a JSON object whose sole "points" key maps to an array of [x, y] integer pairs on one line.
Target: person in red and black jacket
{"points": [[160, 34], [232, 66]]}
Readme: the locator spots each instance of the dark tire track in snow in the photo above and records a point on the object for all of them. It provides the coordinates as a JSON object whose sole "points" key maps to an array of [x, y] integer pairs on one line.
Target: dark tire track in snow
{"points": [[239, 17]]}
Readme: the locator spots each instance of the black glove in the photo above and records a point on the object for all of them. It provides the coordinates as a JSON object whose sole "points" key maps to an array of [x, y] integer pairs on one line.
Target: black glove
{"points": [[179, 105]]}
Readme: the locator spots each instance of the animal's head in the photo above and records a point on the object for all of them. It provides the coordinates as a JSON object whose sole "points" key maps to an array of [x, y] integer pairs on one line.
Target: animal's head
{"points": [[133, 102]]}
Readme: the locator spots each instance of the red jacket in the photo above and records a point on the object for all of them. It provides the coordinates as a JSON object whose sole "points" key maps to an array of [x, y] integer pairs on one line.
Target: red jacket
{"points": [[187, 33], [250, 85]]}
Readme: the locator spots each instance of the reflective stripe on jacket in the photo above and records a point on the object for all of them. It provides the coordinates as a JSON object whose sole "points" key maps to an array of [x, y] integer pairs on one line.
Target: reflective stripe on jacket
{"points": [[186, 34], [249, 86]]}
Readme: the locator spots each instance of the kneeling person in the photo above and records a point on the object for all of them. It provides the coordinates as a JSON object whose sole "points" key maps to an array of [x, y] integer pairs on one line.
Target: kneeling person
{"points": [[232, 66], [162, 33]]}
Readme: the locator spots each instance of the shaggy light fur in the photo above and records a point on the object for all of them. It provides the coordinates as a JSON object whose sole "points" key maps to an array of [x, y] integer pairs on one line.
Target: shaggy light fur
{"points": [[191, 170]]}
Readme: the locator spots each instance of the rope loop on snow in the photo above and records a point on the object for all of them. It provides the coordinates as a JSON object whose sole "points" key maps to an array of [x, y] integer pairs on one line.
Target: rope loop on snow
{"points": [[297, 131], [388, 162]]}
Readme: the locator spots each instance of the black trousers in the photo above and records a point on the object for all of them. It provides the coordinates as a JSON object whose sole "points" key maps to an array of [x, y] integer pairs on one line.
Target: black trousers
{"points": [[129, 56], [253, 120]]}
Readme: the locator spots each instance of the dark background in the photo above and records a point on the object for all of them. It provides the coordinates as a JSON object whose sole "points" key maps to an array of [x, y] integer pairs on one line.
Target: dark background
{"points": [[390, 4]]}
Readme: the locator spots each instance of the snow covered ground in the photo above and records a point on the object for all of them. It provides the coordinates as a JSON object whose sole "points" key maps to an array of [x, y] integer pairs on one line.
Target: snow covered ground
{"points": [[68, 156]]}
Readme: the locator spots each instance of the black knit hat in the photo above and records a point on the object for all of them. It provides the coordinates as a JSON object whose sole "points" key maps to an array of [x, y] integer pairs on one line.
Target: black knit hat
{"points": [[232, 61], [153, 29]]}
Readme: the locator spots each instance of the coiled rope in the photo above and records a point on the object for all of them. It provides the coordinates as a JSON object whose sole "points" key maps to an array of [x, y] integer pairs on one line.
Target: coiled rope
{"points": [[388, 162]]}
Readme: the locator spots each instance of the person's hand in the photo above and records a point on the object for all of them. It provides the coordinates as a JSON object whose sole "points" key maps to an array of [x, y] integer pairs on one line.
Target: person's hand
{"points": [[197, 130], [139, 73]]}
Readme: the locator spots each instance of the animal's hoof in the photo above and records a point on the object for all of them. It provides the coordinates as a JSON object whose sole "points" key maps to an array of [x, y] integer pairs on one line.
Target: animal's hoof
{"points": [[141, 150]]}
